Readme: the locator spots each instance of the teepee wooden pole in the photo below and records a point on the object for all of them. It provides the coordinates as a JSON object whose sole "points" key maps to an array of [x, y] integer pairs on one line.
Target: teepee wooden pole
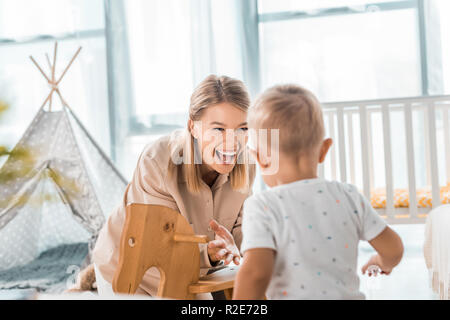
{"points": [[68, 66], [64, 103], [51, 71], [48, 98], [40, 69], [52, 82], [48, 62], [54, 61]]}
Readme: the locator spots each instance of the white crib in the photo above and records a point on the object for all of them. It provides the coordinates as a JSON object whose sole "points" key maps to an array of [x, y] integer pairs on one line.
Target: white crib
{"points": [[352, 158]]}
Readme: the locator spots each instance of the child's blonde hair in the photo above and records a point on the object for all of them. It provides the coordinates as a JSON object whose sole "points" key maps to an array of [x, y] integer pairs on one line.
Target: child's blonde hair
{"points": [[296, 112], [212, 91]]}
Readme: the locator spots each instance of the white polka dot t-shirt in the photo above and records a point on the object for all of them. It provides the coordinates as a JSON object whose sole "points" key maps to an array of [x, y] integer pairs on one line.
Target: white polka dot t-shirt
{"points": [[314, 226]]}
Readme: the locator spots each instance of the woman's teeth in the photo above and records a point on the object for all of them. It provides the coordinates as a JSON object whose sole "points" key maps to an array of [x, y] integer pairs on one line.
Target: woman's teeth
{"points": [[226, 157]]}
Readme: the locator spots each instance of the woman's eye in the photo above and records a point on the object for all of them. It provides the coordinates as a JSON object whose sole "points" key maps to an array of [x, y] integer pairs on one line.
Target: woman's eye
{"points": [[219, 129], [242, 130]]}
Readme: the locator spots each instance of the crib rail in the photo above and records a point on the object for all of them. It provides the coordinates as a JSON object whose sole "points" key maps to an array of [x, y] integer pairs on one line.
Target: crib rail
{"points": [[414, 136]]}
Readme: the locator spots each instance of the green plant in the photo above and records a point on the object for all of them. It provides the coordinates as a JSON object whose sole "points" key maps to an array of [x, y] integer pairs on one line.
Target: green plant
{"points": [[27, 160], [3, 108]]}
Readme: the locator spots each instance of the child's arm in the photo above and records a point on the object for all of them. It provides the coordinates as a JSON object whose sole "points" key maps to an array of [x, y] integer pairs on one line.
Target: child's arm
{"points": [[254, 275], [389, 247]]}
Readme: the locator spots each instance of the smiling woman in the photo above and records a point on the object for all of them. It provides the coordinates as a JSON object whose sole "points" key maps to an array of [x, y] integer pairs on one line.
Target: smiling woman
{"points": [[202, 172], [217, 125], [221, 143]]}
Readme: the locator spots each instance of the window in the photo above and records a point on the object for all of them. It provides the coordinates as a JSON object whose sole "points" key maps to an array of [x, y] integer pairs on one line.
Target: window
{"points": [[159, 32], [32, 31], [173, 45], [443, 9], [362, 50], [356, 49], [269, 6], [23, 18], [345, 57], [161, 74]]}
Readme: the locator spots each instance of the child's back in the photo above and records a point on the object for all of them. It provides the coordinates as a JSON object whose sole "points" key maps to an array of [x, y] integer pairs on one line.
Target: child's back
{"points": [[300, 238], [314, 226]]}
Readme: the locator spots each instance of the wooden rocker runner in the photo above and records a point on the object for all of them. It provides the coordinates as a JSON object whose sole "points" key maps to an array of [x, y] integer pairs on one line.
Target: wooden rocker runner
{"points": [[157, 236]]}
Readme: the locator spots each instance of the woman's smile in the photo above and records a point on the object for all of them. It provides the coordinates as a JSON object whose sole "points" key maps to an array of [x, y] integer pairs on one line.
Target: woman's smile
{"points": [[225, 157]]}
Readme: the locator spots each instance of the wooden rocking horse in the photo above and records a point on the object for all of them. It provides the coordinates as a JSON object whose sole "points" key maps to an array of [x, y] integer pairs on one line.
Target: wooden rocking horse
{"points": [[157, 236]]}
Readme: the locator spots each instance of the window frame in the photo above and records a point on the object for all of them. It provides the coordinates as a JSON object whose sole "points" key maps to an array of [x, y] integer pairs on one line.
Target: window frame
{"points": [[253, 20], [422, 19], [136, 124], [61, 37]]}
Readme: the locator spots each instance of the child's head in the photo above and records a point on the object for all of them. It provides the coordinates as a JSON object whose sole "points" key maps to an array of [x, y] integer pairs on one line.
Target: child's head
{"points": [[297, 114]]}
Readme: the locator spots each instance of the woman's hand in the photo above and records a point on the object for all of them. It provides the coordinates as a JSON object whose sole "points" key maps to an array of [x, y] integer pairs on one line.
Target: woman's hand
{"points": [[223, 247]]}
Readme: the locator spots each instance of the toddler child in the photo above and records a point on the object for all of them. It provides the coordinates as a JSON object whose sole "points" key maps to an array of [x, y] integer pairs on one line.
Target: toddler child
{"points": [[300, 237]]}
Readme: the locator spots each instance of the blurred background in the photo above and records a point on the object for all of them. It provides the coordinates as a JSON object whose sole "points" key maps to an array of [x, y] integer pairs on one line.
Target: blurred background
{"points": [[142, 59]]}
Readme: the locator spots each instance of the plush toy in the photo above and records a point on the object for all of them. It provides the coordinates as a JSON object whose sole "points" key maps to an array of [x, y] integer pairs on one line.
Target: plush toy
{"points": [[85, 280]]}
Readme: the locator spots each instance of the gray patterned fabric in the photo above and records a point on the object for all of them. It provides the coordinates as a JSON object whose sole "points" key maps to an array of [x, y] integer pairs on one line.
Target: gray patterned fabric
{"points": [[65, 194], [50, 272]]}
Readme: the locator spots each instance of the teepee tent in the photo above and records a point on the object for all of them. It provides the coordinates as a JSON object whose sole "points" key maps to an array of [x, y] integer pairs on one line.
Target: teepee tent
{"points": [[65, 192]]}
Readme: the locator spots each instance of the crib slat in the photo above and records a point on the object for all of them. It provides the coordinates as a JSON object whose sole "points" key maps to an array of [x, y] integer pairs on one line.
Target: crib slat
{"points": [[365, 150], [446, 140], [388, 160], [351, 150], [426, 137], [333, 148], [341, 137], [432, 158], [411, 161], [370, 148]]}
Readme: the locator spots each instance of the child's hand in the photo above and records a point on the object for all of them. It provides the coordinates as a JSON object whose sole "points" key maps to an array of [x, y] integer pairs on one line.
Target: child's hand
{"points": [[375, 260]]}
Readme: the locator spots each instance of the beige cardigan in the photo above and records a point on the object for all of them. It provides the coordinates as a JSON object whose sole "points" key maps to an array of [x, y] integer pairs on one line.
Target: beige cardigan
{"points": [[150, 185]]}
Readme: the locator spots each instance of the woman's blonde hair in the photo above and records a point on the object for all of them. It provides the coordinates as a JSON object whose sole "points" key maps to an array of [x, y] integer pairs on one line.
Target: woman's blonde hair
{"points": [[211, 91]]}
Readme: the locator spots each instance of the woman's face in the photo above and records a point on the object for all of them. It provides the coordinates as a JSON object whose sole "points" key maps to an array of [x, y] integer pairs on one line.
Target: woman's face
{"points": [[222, 136]]}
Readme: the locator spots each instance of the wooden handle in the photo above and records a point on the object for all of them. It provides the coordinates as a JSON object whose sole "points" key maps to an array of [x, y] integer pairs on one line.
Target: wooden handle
{"points": [[190, 238]]}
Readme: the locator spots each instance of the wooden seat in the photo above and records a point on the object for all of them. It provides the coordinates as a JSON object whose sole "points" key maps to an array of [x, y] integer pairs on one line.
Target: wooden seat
{"points": [[222, 280], [157, 236]]}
